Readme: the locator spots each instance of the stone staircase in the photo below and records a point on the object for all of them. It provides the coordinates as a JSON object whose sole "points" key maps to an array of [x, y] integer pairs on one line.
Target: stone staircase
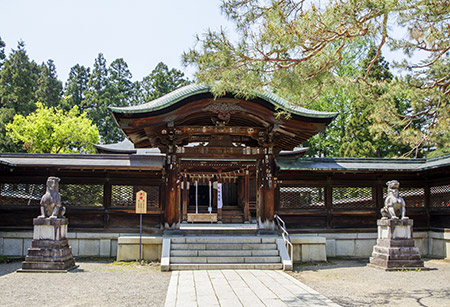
{"points": [[214, 252]]}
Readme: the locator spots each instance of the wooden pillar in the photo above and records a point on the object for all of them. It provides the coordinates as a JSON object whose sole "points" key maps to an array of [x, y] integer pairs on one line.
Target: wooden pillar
{"points": [[247, 196], [185, 196], [241, 191], [171, 213], [107, 194], [265, 206], [259, 192], [269, 191], [427, 191], [379, 196], [178, 202], [214, 197], [329, 202]]}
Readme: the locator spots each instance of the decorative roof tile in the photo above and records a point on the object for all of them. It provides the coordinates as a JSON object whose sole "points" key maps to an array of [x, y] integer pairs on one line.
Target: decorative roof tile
{"points": [[195, 89]]}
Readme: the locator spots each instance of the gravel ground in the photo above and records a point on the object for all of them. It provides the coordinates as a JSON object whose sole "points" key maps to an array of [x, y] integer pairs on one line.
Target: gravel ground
{"points": [[105, 283], [353, 283], [94, 283]]}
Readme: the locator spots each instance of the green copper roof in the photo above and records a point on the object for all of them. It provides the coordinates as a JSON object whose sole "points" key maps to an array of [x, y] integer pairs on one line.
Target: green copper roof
{"points": [[195, 89], [361, 164]]}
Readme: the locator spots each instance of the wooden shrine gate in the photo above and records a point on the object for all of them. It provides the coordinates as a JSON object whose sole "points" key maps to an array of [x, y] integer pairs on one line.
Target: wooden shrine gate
{"points": [[208, 139], [231, 190]]}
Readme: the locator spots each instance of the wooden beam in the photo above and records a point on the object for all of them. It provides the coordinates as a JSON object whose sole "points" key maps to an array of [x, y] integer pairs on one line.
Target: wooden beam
{"points": [[220, 152]]}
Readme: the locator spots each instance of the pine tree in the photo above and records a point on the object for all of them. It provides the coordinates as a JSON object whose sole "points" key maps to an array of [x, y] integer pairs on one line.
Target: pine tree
{"points": [[161, 81], [294, 48], [2, 52], [49, 88], [18, 82], [75, 88], [120, 83], [106, 87]]}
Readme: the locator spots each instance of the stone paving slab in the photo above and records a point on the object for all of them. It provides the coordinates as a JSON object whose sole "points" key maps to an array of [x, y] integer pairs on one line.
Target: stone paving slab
{"points": [[240, 288]]}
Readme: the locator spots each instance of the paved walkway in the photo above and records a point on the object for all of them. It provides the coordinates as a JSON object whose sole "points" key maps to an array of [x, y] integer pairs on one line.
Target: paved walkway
{"points": [[240, 288]]}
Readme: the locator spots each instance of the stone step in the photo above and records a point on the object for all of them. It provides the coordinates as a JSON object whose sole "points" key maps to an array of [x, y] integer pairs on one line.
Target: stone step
{"points": [[396, 250], [396, 257], [225, 266], [215, 232], [224, 246], [49, 252], [50, 265], [395, 243], [221, 240], [396, 264], [50, 243], [192, 260], [38, 258], [223, 253]]}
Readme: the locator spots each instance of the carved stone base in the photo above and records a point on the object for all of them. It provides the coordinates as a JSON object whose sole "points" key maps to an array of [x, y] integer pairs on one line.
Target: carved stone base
{"points": [[395, 248], [50, 250]]}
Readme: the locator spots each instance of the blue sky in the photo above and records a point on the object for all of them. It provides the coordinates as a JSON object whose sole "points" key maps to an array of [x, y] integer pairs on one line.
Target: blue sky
{"points": [[143, 32]]}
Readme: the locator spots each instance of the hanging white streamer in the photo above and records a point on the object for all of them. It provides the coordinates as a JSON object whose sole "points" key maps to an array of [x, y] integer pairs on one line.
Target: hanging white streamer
{"points": [[219, 196]]}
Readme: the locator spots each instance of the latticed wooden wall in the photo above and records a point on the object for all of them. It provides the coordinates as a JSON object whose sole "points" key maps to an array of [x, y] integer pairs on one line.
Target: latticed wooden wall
{"points": [[414, 196], [353, 197], [440, 196], [298, 197], [294, 197], [21, 193], [82, 195], [125, 196]]}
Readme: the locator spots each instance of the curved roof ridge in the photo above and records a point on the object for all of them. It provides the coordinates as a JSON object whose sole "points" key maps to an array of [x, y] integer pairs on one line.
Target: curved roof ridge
{"points": [[198, 88]]}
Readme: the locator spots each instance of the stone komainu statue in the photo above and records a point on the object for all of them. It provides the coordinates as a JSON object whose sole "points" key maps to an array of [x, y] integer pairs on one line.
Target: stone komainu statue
{"points": [[394, 204], [51, 201]]}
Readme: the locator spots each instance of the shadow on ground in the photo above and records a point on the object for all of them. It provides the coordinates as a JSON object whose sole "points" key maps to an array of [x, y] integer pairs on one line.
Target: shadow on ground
{"points": [[9, 267], [332, 263], [397, 297]]}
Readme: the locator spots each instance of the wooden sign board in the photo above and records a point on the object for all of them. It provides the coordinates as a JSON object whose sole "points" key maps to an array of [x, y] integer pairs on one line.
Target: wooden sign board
{"points": [[141, 202]]}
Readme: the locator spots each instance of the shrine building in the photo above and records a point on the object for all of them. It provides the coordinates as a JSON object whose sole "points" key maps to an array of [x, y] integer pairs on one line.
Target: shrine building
{"points": [[224, 160]]}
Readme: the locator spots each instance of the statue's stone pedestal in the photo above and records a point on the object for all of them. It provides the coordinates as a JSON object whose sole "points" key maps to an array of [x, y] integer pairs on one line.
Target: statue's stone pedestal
{"points": [[50, 250], [395, 248]]}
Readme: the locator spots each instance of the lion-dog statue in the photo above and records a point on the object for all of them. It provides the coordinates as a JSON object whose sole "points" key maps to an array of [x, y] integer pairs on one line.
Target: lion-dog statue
{"points": [[394, 204], [51, 200]]}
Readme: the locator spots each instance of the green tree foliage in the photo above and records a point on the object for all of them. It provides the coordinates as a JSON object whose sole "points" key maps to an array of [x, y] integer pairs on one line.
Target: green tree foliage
{"points": [[2, 51], [98, 98], [76, 86], [295, 48], [361, 139], [159, 82], [51, 130], [6, 144], [49, 88], [120, 83], [18, 82]]}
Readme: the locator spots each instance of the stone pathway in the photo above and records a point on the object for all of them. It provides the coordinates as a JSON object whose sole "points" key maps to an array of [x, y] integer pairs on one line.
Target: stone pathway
{"points": [[240, 288]]}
